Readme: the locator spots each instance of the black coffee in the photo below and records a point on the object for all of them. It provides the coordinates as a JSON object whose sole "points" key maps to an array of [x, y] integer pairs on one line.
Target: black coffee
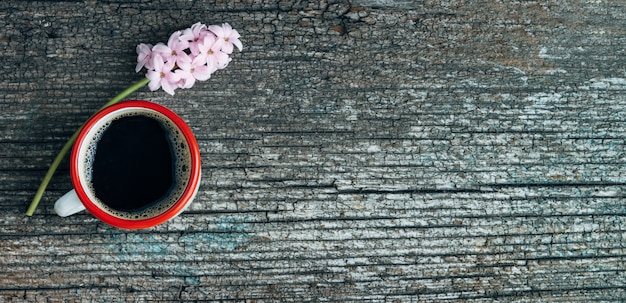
{"points": [[133, 166]]}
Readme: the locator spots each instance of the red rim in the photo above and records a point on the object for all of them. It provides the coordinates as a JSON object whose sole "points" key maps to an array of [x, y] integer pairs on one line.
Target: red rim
{"points": [[185, 198]]}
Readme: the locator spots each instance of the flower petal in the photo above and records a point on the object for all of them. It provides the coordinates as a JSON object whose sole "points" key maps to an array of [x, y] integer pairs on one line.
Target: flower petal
{"points": [[227, 48], [157, 63], [237, 43], [217, 30], [168, 87], [202, 73], [155, 80]]}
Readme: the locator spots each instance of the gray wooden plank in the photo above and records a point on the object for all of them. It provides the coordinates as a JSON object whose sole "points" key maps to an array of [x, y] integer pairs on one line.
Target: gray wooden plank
{"points": [[383, 151]]}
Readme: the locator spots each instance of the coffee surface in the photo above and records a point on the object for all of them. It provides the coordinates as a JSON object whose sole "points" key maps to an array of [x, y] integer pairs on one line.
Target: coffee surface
{"points": [[133, 165]]}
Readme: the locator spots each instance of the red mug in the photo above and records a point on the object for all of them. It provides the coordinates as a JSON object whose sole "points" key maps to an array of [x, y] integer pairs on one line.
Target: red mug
{"points": [[134, 165]]}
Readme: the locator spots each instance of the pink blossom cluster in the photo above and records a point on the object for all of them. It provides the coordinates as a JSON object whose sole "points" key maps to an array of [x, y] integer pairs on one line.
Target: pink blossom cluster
{"points": [[189, 55]]}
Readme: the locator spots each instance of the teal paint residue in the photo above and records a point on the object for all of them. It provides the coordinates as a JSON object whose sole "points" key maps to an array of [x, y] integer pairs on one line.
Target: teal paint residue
{"points": [[192, 281], [184, 253], [179, 248], [129, 246], [229, 233]]}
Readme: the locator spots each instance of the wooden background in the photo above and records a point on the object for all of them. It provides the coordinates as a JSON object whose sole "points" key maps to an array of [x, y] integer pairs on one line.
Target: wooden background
{"points": [[366, 150]]}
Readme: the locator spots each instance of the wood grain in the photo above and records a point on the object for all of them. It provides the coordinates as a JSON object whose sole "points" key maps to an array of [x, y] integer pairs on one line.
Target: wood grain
{"points": [[367, 150]]}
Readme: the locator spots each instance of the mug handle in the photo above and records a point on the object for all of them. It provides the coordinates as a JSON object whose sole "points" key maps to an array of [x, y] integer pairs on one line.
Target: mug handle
{"points": [[68, 204]]}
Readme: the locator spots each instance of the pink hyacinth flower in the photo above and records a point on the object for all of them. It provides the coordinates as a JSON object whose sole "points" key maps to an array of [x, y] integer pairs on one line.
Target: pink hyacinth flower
{"points": [[174, 50], [190, 55], [188, 73], [144, 56], [226, 37], [162, 75], [211, 53], [194, 36]]}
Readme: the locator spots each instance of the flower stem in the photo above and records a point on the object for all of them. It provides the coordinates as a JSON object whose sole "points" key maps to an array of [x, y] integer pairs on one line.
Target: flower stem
{"points": [[68, 145]]}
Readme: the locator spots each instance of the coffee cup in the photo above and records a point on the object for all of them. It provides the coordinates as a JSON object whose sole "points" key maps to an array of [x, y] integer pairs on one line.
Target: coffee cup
{"points": [[134, 165]]}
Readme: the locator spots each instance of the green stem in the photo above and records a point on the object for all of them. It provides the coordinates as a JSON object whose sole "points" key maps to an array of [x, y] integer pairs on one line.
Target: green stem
{"points": [[68, 145]]}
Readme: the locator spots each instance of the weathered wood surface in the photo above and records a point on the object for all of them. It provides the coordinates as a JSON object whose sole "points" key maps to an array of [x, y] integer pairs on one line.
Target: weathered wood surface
{"points": [[395, 151]]}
